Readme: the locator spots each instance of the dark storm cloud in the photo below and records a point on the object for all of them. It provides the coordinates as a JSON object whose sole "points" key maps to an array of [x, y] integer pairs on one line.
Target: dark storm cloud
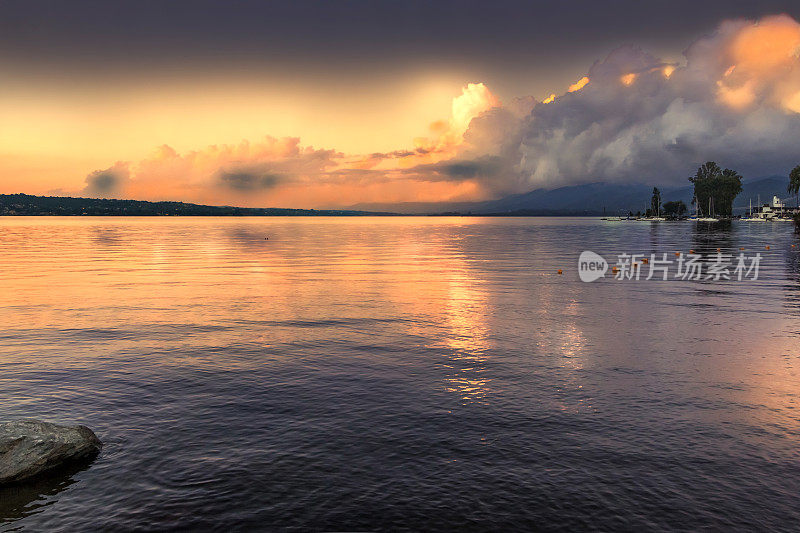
{"points": [[108, 182], [659, 128], [397, 154], [348, 35], [249, 181], [485, 167]]}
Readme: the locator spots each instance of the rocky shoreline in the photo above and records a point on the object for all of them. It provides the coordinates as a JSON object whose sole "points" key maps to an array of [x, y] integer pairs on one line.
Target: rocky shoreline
{"points": [[32, 448]]}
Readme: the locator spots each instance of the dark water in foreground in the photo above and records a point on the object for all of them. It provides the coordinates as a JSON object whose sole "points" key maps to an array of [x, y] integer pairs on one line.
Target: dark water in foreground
{"points": [[400, 373]]}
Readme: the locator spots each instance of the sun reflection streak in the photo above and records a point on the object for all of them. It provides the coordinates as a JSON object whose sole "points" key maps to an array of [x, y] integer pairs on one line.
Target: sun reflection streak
{"points": [[467, 336]]}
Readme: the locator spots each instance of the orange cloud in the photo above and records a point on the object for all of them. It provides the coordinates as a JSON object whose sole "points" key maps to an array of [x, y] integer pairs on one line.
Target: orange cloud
{"points": [[763, 61], [475, 99], [578, 85], [281, 171], [769, 45]]}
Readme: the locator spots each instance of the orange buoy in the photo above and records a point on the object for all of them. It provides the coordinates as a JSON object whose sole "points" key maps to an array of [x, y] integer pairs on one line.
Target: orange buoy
{"points": [[719, 249], [645, 260], [742, 248], [691, 251], [559, 271], [767, 247], [677, 254]]}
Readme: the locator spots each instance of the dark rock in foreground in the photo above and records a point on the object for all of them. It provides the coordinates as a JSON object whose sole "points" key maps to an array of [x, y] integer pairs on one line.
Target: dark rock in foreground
{"points": [[29, 448]]}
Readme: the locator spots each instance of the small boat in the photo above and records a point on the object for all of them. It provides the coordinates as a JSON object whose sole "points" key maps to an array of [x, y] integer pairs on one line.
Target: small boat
{"points": [[656, 218], [750, 217], [711, 211], [610, 219]]}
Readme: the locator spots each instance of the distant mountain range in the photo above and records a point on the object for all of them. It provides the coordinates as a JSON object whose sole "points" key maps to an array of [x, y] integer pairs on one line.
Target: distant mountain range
{"points": [[588, 199]]}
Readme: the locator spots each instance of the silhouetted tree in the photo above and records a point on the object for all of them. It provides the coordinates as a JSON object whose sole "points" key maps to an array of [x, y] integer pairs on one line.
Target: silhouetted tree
{"points": [[719, 186], [655, 201], [794, 183], [675, 208]]}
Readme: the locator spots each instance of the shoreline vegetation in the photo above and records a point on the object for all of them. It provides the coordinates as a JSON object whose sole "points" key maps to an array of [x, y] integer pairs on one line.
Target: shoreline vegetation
{"points": [[715, 190], [30, 205], [714, 193]]}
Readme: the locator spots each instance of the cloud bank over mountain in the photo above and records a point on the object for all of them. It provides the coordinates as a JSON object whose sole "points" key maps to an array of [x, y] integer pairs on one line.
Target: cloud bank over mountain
{"points": [[736, 100], [632, 119]]}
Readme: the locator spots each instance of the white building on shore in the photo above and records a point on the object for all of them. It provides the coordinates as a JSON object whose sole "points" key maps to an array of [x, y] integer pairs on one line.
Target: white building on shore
{"points": [[776, 209]]}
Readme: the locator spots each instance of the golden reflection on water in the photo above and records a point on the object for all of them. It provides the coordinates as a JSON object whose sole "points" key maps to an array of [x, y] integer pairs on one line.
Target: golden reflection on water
{"points": [[73, 273], [426, 278], [468, 336]]}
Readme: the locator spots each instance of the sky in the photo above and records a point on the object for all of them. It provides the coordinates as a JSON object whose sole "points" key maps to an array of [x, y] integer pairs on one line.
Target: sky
{"points": [[331, 104]]}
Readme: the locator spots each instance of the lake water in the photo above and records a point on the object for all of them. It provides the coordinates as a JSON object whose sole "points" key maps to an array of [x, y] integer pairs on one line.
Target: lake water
{"points": [[400, 374]]}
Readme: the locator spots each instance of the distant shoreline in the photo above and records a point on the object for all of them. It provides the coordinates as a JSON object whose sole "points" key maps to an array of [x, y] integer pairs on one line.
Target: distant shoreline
{"points": [[31, 205]]}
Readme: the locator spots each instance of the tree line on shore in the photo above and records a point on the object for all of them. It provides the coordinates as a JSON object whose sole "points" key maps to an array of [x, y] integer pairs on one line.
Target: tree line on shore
{"points": [[715, 190]]}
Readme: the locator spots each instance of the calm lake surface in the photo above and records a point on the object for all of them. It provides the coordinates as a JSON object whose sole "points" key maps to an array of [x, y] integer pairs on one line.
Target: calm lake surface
{"points": [[400, 374]]}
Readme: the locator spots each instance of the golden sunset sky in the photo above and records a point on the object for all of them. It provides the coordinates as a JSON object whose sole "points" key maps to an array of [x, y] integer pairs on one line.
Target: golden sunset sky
{"points": [[322, 105]]}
